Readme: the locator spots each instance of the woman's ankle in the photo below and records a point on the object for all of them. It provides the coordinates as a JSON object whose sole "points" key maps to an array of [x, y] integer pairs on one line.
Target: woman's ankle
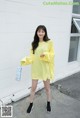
{"points": [[48, 101]]}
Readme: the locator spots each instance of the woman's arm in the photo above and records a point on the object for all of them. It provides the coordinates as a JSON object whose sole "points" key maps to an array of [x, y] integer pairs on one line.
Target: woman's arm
{"points": [[27, 59]]}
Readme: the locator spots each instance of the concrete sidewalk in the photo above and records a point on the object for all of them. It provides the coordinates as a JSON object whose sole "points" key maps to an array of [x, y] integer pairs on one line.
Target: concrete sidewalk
{"points": [[65, 102], [70, 85]]}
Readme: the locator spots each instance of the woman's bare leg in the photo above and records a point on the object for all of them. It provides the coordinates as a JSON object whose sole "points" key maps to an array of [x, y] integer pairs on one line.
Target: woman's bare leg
{"points": [[48, 93], [33, 89], [47, 88]]}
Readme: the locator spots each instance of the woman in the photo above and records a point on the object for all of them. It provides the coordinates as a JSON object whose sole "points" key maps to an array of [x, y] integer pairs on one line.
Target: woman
{"points": [[42, 52]]}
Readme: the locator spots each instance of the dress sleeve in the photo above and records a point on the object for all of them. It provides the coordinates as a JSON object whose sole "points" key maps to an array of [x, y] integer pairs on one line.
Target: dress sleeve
{"points": [[49, 55], [27, 59]]}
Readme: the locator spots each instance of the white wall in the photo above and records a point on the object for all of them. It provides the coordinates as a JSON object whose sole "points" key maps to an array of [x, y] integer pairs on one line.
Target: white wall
{"points": [[18, 21]]}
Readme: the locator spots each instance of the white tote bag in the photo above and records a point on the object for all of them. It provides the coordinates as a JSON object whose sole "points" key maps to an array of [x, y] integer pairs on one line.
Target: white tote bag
{"points": [[18, 73]]}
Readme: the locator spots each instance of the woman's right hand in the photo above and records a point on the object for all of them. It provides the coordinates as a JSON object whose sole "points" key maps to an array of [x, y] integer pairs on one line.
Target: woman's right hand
{"points": [[42, 55]]}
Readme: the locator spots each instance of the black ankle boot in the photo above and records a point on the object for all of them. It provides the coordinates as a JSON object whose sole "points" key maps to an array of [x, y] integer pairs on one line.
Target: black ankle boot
{"points": [[29, 107], [48, 106]]}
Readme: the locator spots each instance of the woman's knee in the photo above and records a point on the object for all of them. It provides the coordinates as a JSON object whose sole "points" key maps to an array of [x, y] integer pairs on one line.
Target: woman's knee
{"points": [[33, 89], [47, 87], [34, 85]]}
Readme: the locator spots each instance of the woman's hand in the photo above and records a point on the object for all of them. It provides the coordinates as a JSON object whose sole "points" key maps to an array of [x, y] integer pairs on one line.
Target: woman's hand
{"points": [[42, 55]]}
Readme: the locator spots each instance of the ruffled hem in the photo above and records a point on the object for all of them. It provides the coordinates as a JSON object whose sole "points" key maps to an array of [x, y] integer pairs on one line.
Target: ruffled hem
{"points": [[44, 79]]}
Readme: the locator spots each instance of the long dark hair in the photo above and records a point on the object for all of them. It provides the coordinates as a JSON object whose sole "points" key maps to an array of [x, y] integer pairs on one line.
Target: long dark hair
{"points": [[36, 38]]}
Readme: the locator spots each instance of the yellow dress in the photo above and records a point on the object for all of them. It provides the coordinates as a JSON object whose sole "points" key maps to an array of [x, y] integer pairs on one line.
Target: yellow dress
{"points": [[42, 68]]}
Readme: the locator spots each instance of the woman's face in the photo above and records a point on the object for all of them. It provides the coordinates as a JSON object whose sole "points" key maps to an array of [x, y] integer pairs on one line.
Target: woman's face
{"points": [[41, 33]]}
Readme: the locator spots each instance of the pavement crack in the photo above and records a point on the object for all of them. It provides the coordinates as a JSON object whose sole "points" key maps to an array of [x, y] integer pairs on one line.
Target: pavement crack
{"points": [[72, 93]]}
